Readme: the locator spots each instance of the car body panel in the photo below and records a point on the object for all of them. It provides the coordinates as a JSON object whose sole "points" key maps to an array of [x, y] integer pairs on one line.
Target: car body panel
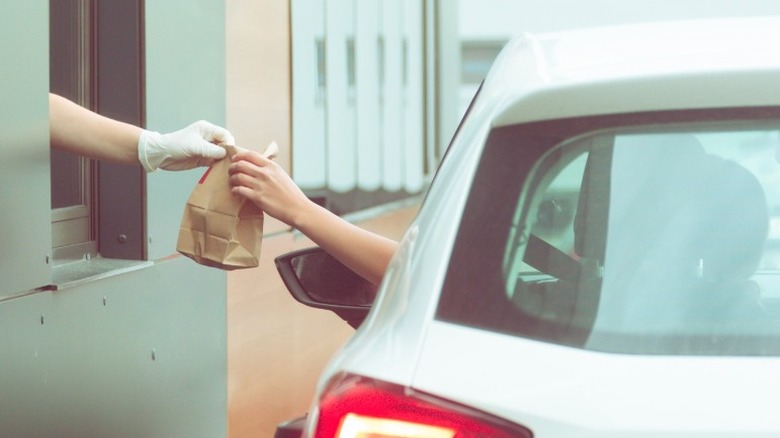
{"points": [[560, 390], [623, 69]]}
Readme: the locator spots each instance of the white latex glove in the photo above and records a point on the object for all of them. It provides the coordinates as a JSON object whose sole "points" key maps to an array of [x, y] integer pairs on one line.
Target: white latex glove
{"points": [[188, 148]]}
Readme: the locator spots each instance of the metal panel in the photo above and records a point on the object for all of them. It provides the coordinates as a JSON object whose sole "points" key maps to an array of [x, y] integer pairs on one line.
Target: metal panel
{"points": [[25, 227], [392, 126], [308, 92], [414, 141], [120, 96], [185, 82], [430, 97], [140, 352], [367, 94], [340, 130], [447, 72], [371, 53], [110, 358]]}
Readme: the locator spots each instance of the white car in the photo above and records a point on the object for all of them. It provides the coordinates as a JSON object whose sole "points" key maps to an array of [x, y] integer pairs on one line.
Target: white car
{"points": [[598, 254]]}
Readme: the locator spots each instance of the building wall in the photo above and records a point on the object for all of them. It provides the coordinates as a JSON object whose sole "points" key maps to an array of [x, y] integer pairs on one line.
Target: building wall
{"points": [[135, 354], [25, 233], [134, 351]]}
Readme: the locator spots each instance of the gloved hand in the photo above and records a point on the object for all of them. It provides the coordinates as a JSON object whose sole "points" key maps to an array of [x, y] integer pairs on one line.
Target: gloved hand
{"points": [[185, 149]]}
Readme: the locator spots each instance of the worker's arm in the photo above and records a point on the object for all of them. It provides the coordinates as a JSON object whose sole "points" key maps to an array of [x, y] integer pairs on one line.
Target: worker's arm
{"points": [[76, 129]]}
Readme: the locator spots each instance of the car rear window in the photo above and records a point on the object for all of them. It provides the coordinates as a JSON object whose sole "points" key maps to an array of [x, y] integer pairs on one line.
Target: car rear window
{"points": [[645, 233]]}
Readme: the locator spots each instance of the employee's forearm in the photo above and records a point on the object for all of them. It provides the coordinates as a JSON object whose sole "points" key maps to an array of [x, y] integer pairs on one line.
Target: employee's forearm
{"points": [[83, 132], [366, 253]]}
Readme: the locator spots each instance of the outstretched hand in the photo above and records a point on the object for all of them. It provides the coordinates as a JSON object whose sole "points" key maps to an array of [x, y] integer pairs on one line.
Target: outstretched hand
{"points": [[261, 180]]}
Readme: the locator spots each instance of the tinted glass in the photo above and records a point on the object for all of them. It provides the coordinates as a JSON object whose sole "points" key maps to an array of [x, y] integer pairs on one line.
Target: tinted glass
{"points": [[69, 60], [612, 235]]}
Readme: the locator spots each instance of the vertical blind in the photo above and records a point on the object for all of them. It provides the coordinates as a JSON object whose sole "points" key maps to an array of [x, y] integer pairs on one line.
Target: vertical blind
{"points": [[358, 107]]}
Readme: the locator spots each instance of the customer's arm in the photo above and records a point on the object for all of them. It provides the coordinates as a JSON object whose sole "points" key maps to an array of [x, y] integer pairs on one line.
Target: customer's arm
{"points": [[265, 183], [366, 253], [75, 129]]}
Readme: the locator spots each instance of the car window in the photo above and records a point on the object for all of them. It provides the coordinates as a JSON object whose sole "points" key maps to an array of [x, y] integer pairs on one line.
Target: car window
{"points": [[661, 239]]}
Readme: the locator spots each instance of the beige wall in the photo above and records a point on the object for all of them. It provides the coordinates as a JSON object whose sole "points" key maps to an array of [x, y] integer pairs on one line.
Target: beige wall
{"points": [[258, 77], [276, 346]]}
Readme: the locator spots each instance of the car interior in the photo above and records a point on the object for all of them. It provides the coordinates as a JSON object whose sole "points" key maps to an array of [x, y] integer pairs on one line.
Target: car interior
{"points": [[657, 254]]}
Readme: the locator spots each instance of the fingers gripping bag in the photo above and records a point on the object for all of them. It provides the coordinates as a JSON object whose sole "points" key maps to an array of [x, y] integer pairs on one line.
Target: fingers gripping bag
{"points": [[218, 228]]}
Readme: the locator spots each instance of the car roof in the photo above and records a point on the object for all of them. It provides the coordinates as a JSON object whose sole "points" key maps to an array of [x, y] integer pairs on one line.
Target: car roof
{"points": [[707, 63]]}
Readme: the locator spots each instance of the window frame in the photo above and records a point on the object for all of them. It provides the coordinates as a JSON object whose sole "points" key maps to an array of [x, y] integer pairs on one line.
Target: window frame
{"points": [[115, 207], [74, 224], [121, 95], [474, 289]]}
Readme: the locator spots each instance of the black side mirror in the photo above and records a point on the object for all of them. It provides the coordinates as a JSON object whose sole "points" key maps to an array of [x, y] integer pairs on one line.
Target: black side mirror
{"points": [[318, 280]]}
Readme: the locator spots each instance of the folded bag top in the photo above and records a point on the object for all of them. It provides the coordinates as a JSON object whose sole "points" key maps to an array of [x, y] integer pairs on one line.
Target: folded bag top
{"points": [[218, 228]]}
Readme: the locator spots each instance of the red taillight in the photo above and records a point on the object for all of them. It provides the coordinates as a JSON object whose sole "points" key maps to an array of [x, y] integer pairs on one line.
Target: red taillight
{"points": [[358, 407]]}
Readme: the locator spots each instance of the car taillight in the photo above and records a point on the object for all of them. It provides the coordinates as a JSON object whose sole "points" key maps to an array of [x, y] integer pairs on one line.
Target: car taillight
{"points": [[358, 407]]}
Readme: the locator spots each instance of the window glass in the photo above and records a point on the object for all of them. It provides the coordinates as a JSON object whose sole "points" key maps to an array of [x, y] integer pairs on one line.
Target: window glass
{"points": [[661, 239], [70, 41]]}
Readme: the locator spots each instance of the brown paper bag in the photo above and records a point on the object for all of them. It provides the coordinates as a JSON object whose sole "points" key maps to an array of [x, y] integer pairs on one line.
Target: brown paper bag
{"points": [[218, 228]]}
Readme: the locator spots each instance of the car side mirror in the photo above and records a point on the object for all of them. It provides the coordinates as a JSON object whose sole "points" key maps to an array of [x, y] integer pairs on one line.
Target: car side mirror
{"points": [[318, 280]]}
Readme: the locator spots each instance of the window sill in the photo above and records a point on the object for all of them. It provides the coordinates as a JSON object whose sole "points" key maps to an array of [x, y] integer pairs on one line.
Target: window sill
{"points": [[76, 273]]}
